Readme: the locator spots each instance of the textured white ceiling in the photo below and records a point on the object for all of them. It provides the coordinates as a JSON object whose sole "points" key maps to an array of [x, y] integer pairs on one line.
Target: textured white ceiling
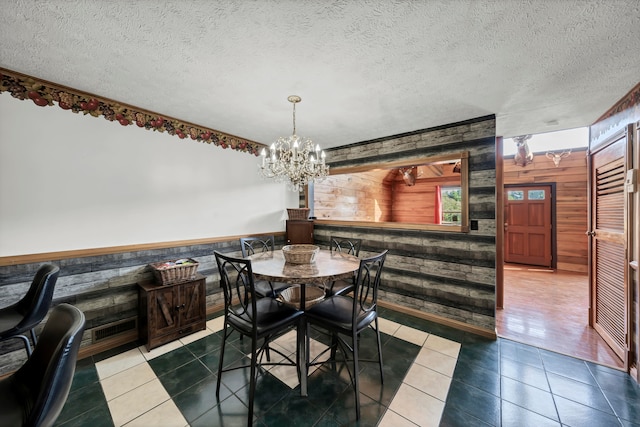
{"points": [[364, 69]]}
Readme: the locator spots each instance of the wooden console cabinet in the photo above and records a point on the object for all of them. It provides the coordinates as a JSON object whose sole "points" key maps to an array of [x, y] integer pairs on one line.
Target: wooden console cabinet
{"points": [[169, 312], [299, 231]]}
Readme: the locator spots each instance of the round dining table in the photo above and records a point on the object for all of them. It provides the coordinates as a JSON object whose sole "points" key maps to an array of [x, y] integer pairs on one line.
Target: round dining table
{"points": [[328, 267]]}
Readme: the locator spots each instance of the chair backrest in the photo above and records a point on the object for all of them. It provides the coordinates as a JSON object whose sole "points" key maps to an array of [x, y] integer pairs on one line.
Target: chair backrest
{"points": [[47, 375], [252, 245], [35, 305], [365, 294], [236, 280], [345, 244]]}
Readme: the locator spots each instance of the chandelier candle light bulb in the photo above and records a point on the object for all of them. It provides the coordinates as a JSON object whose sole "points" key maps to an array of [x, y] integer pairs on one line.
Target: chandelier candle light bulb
{"points": [[292, 158]]}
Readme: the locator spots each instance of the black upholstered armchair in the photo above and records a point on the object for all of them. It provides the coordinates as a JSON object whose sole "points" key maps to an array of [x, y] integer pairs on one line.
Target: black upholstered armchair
{"points": [[26, 314], [35, 394]]}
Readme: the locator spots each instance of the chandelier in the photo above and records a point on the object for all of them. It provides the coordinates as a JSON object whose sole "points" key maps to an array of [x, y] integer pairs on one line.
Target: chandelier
{"points": [[294, 159]]}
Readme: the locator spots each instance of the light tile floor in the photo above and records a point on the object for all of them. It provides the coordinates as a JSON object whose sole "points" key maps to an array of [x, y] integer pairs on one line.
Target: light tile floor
{"points": [[434, 375], [135, 396]]}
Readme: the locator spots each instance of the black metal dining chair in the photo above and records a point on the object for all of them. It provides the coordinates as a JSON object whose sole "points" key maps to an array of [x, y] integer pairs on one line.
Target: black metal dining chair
{"points": [[253, 245], [345, 317], [351, 247], [260, 319], [35, 394], [26, 314]]}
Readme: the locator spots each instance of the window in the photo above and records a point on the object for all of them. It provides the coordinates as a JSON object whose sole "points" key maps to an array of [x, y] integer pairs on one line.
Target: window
{"points": [[451, 198], [427, 193], [536, 194], [515, 195]]}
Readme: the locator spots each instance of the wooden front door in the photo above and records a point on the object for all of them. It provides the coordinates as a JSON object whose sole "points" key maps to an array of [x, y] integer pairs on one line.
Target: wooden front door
{"points": [[609, 290], [528, 225]]}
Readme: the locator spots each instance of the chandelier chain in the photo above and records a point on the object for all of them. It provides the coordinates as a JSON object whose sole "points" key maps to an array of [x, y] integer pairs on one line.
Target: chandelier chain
{"points": [[294, 118]]}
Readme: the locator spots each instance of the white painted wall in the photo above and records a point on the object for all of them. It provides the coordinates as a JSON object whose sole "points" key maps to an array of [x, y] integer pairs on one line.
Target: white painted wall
{"points": [[551, 141], [69, 181]]}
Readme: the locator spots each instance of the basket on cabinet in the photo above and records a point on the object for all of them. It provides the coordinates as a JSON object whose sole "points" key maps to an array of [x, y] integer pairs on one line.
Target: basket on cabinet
{"points": [[175, 271], [299, 213]]}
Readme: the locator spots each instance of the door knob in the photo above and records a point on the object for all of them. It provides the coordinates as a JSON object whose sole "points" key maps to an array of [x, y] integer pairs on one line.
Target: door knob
{"points": [[590, 233]]}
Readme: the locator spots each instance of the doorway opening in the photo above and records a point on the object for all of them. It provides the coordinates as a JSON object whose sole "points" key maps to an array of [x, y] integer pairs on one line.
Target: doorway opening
{"points": [[546, 295]]}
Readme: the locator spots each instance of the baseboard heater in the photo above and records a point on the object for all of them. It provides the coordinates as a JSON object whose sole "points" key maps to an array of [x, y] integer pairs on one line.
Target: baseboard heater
{"points": [[113, 329]]}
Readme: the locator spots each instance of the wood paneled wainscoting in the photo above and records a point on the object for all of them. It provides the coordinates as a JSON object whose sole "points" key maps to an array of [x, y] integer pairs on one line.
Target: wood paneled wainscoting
{"points": [[550, 309], [103, 283]]}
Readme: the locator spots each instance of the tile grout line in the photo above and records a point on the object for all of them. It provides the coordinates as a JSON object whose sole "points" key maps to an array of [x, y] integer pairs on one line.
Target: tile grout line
{"points": [[405, 329]]}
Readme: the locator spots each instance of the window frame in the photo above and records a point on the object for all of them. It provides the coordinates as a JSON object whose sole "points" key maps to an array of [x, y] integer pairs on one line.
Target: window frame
{"points": [[463, 227]]}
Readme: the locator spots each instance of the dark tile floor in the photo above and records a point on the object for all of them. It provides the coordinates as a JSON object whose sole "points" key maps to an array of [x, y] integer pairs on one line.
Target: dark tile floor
{"points": [[494, 383]]}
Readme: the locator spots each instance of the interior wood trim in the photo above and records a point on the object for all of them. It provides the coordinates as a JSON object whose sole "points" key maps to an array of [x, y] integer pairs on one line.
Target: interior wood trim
{"points": [[499, 223], [487, 333], [399, 163], [400, 225], [132, 336], [108, 344], [127, 338], [80, 253]]}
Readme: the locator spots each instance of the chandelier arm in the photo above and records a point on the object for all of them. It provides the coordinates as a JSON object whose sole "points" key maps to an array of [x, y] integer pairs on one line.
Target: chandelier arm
{"points": [[293, 159]]}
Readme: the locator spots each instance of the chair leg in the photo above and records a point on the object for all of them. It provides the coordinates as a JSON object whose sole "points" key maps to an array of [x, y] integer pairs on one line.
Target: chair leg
{"points": [[307, 344], [356, 381], [252, 380], [33, 336], [298, 359], [221, 360], [334, 346], [379, 352]]}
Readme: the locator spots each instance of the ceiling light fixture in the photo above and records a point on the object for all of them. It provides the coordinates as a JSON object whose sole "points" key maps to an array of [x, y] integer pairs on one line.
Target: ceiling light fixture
{"points": [[294, 159]]}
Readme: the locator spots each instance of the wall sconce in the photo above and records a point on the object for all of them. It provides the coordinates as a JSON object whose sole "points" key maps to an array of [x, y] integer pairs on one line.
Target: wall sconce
{"points": [[557, 157]]}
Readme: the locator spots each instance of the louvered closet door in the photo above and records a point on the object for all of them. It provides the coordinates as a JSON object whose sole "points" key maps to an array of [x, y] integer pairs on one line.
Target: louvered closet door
{"points": [[609, 290]]}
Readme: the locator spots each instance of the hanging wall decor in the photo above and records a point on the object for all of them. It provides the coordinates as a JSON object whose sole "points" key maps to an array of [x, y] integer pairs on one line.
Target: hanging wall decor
{"points": [[523, 156], [44, 93]]}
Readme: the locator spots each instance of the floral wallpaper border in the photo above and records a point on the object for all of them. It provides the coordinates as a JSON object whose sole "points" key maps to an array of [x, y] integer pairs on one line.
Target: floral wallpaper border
{"points": [[623, 112], [44, 93], [630, 100]]}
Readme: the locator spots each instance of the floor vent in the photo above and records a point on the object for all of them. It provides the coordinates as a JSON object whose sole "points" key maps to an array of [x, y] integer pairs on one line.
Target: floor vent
{"points": [[112, 329]]}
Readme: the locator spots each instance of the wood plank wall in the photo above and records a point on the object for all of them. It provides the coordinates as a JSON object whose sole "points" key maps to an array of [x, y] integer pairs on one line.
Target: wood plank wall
{"points": [[570, 178], [416, 204], [446, 274], [105, 287], [364, 196]]}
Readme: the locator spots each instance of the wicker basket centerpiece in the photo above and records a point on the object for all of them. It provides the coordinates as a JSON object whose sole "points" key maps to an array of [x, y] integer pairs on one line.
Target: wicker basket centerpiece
{"points": [[291, 296], [300, 254], [300, 213], [175, 271]]}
